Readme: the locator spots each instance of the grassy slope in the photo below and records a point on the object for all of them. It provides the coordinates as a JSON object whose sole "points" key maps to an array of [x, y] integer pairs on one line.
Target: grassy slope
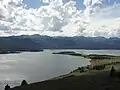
{"points": [[92, 81]]}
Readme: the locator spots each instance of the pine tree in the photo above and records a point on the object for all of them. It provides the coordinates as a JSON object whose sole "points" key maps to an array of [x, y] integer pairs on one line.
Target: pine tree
{"points": [[112, 71], [7, 87]]}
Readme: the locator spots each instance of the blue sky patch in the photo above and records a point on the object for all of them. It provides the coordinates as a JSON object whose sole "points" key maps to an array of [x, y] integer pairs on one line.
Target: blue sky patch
{"points": [[37, 3]]}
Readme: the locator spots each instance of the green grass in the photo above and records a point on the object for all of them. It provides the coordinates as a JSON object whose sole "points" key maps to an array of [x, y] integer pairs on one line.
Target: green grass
{"points": [[92, 81]]}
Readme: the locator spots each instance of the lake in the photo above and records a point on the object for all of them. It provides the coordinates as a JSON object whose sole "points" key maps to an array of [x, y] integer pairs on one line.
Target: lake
{"points": [[39, 66]]}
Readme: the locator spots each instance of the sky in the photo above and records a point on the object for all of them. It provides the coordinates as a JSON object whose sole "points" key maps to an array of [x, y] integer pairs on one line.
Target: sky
{"points": [[60, 17], [37, 3]]}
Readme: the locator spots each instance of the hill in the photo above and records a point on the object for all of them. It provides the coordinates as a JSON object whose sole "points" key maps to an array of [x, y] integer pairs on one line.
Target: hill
{"points": [[47, 42], [92, 81]]}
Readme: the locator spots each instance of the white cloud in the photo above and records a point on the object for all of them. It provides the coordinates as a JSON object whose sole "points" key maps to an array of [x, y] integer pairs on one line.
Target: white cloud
{"points": [[60, 18]]}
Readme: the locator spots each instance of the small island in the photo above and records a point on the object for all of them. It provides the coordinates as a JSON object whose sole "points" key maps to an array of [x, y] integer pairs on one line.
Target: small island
{"points": [[9, 52], [18, 51]]}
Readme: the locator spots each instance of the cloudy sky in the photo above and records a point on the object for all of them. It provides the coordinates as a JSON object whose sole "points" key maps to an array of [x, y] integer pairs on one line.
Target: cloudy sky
{"points": [[60, 17]]}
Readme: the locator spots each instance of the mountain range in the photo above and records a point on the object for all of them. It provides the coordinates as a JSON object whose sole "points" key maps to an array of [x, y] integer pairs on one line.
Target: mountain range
{"points": [[36, 42]]}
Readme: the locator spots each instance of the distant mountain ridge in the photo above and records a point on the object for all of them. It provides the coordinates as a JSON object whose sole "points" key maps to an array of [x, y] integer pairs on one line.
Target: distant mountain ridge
{"points": [[34, 42]]}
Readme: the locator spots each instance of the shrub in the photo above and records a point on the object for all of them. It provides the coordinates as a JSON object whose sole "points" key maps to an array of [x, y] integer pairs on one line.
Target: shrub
{"points": [[81, 69], [23, 83], [99, 67]]}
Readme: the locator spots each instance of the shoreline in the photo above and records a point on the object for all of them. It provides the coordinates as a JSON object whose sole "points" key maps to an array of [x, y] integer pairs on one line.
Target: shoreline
{"points": [[92, 57], [80, 71]]}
